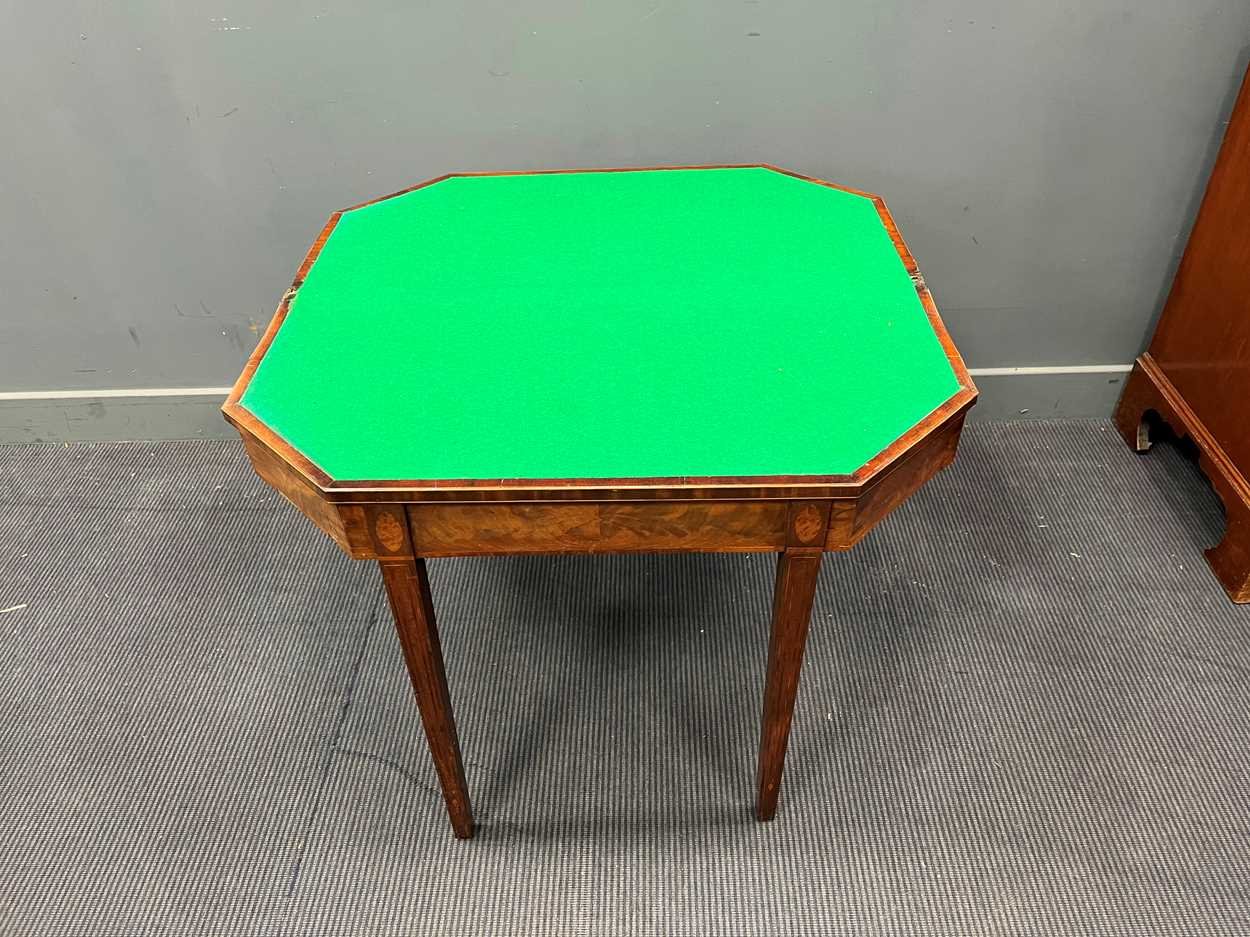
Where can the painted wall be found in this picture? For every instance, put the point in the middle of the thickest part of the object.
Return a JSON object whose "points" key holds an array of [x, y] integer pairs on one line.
{"points": [[167, 164]]}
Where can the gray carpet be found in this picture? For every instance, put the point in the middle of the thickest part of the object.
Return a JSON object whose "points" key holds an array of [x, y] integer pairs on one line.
{"points": [[1025, 710]]}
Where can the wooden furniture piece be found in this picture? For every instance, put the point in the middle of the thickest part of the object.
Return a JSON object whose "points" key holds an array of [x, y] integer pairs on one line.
{"points": [[678, 359], [1195, 376]]}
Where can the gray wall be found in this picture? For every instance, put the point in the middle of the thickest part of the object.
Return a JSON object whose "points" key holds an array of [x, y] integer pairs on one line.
{"points": [[167, 164]]}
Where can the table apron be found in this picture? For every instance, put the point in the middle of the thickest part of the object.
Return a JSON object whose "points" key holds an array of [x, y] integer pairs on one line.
{"points": [[604, 527]]}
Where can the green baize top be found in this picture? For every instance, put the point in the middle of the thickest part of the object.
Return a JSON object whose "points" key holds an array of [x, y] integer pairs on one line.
{"points": [[633, 324]]}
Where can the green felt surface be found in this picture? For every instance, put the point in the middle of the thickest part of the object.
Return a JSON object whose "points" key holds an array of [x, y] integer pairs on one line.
{"points": [[603, 325]]}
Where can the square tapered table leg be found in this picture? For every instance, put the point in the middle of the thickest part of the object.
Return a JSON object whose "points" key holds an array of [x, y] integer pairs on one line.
{"points": [[408, 587], [797, 572]]}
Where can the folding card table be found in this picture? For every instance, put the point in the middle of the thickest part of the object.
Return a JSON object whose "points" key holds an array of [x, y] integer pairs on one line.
{"points": [[713, 358]]}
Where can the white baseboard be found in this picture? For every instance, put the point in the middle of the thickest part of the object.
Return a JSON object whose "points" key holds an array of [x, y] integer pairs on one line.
{"points": [[115, 392], [1052, 369], [1007, 393]]}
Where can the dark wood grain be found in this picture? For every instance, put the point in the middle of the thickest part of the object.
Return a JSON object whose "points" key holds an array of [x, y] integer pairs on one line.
{"points": [[344, 523], [890, 489], [1202, 342], [408, 588], [610, 527], [1196, 372], [798, 569]]}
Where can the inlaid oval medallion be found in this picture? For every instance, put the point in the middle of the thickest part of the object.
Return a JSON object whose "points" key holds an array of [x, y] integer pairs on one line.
{"points": [[389, 532], [808, 523]]}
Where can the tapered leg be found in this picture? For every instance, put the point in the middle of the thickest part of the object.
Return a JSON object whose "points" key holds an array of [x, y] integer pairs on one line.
{"points": [[797, 571], [408, 587]]}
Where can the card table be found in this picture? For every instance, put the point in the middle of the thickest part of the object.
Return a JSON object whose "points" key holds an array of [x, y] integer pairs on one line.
{"points": [[696, 358]]}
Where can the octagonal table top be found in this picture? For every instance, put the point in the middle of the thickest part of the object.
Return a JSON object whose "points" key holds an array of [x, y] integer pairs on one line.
{"points": [[710, 322]]}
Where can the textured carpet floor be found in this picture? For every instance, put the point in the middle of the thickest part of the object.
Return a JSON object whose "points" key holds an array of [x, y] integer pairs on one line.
{"points": [[1025, 710]]}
